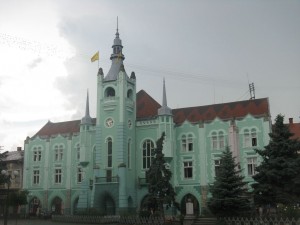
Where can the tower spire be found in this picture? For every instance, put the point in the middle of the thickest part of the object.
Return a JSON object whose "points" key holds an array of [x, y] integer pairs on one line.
{"points": [[116, 57], [117, 34], [87, 118], [164, 110]]}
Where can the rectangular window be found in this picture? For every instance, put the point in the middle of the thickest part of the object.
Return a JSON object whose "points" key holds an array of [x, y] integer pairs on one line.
{"points": [[252, 163], [217, 167], [254, 141], [79, 175], [36, 176], [57, 176], [188, 169]]}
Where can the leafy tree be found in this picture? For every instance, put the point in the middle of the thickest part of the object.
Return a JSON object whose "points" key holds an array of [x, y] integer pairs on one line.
{"points": [[278, 177], [229, 191], [158, 176]]}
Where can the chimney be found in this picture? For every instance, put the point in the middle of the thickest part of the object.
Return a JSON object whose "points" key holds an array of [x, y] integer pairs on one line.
{"points": [[291, 120], [19, 149]]}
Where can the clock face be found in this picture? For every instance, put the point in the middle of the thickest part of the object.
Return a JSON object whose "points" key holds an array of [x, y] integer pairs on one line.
{"points": [[109, 122]]}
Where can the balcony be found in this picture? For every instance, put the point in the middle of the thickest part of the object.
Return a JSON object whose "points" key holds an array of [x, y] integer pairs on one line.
{"points": [[105, 180]]}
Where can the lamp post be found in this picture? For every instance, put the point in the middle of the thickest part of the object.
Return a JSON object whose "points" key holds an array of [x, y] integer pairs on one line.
{"points": [[7, 179]]}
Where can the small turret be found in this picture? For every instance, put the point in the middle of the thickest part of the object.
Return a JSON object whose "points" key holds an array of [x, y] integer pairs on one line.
{"points": [[164, 110], [87, 118]]}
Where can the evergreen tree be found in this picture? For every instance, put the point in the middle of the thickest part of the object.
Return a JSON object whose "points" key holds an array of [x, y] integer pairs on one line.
{"points": [[278, 178], [158, 176], [229, 191]]}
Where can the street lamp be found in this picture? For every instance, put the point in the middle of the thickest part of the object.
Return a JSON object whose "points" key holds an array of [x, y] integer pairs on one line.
{"points": [[7, 179]]}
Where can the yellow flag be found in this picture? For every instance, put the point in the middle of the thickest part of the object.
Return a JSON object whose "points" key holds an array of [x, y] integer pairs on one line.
{"points": [[95, 57]]}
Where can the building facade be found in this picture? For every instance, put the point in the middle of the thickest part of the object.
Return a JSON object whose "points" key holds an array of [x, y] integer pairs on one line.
{"points": [[100, 163], [13, 164]]}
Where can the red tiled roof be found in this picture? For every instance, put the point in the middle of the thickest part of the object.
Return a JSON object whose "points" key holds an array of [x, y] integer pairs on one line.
{"points": [[146, 107], [59, 128], [255, 107]]}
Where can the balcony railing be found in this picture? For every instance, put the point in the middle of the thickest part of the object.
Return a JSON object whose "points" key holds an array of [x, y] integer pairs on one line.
{"points": [[101, 180]]}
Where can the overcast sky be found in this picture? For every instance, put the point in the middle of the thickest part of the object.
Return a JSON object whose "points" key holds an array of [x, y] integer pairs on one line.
{"points": [[207, 51]]}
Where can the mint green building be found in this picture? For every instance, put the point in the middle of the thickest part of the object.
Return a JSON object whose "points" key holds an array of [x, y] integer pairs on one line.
{"points": [[100, 163]]}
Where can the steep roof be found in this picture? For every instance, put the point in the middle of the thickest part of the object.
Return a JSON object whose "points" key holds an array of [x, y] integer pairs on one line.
{"points": [[147, 107], [255, 107], [59, 128]]}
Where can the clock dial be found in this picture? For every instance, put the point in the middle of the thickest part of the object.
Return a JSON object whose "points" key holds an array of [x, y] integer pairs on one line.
{"points": [[109, 122]]}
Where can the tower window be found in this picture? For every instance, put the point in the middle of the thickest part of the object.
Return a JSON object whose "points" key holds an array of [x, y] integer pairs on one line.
{"points": [[129, 94], [110, 92], [109, 152]]}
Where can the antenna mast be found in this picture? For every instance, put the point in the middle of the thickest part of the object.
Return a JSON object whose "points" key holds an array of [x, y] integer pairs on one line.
{"points": [[252, 91]]}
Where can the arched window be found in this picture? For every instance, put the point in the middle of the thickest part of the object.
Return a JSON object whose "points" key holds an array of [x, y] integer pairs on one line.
{"points": [[253, 137], [148, 152], [187, 143], [94, 157], [110, 92], [37, 153], [129, 94], [128, 153], [221, 140], [214, 140], [77, 152], [109, 152], [246, 138], [58, 152], [218, 140]]}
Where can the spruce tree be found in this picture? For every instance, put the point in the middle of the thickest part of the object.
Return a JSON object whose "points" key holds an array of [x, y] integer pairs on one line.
{"points": [[159, 175], [229, 191], [278, 178]]}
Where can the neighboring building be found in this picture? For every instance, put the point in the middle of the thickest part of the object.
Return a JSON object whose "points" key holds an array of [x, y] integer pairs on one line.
{"points": [[294, 128], [13, 161], [100, 163]]}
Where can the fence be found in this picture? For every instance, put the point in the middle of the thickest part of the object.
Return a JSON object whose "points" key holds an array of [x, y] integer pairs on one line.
{"points": [[86, 219], [141, 220], [261, 221]]}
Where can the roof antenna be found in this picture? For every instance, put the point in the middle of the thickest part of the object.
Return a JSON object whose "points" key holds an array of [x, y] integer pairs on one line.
{"points": [[251, 89]]}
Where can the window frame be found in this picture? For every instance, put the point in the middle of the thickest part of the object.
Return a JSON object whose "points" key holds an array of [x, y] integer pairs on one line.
{"points": [[188, 170], [57, 176], [148, 148]]}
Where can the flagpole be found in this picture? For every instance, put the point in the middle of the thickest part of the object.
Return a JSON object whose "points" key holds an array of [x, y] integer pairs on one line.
{"points": [[98, 60]]}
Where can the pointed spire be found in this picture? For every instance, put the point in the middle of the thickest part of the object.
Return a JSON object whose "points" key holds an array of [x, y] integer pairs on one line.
{"points": [[164, 110], [87, 118], [116, 57], [117, 34]]}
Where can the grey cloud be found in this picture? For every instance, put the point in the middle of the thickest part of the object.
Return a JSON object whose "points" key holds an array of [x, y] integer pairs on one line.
{"points": [[35, 63]]}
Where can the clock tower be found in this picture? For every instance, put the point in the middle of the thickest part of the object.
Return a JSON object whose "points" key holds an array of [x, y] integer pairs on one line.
{"points": [[115, 136]]}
